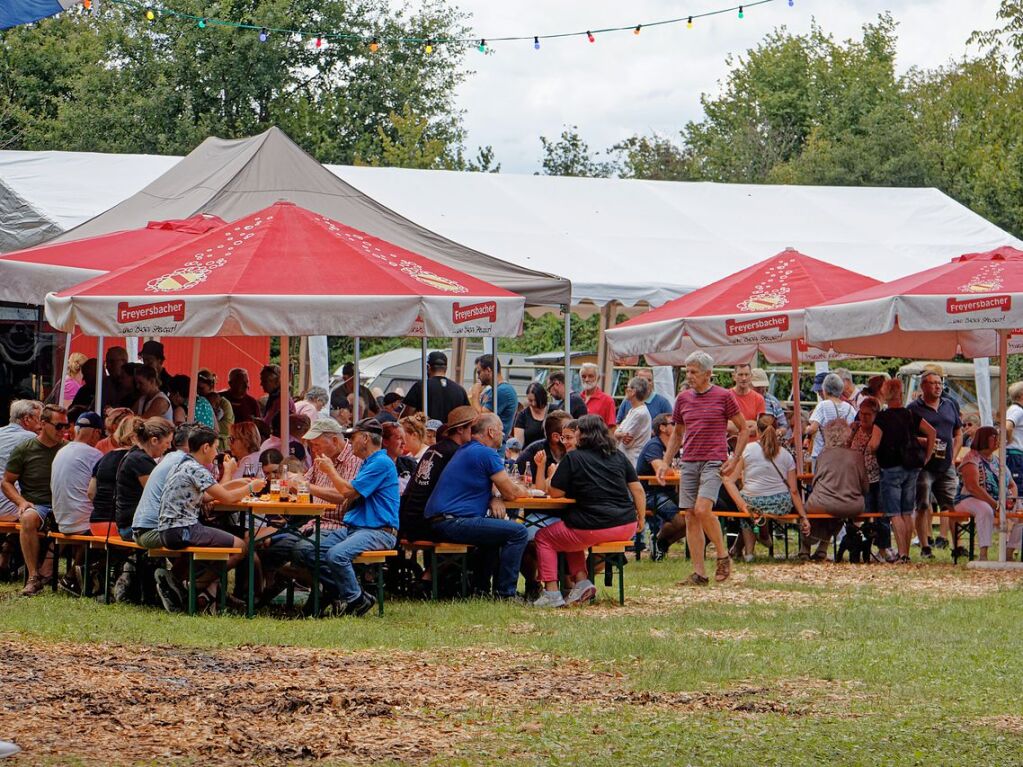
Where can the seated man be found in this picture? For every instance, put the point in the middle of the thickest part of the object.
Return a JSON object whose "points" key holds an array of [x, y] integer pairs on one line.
{"points": [[371, 523], [147, 514], [180, 505], [27, 485], [661, 500], [71, 473], [458, 507], [24, 423]]}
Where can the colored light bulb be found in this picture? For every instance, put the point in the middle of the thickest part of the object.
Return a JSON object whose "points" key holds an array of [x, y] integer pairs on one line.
{"points": [[202, 23], [263, 35], [637, 29], [373, 45], [149, 14], [590, 37], [482, 47], [741, 14], [536, 43], [689, 23], [429, 47]]}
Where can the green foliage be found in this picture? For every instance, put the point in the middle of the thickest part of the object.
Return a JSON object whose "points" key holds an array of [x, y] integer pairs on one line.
{"points": [[117, 82], [569, 155]]}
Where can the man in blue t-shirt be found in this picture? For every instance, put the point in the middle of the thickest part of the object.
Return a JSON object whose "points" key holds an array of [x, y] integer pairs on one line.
{"points": [[481, 397], [459, 504], [371, 523]]}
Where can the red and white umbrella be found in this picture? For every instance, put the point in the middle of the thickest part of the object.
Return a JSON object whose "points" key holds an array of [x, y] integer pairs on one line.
{"points": [[757, 309], [939, 313], [26, 276], [286, 271], [971, 306]]}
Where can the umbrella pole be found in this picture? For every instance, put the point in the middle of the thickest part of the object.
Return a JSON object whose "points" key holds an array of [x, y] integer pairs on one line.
{"points": [[425, 374], [285, 391], [193, 381], [100, 367], [566, 405], [1003, 484], [67, 363], [356, 389], [797, 413], [493, 388]]}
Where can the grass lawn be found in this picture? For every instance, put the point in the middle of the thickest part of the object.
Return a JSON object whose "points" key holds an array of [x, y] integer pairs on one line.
{"points": [[786, 665]]}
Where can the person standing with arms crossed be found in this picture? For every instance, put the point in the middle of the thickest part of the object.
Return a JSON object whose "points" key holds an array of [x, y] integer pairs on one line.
{"points": [[702, 414]]}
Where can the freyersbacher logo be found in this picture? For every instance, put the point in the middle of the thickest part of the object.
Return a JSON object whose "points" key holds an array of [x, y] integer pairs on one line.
{"points": [[470, 312], [955, 306], [778, 322], [128, 314]]}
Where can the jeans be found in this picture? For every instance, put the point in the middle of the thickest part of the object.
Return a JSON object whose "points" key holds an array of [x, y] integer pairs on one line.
{"points": [[337, 550], [898, 490], [484, 531]]}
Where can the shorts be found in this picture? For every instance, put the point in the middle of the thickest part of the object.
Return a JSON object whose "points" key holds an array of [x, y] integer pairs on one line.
{"points": [[775, 505], [1014, 463], [941, 484], [44, 512], [700, 479], [195, 535]]}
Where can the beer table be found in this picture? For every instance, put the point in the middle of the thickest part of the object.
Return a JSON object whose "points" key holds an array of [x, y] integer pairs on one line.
{"points": [[253, 506], [540, 504], [670, 477]]}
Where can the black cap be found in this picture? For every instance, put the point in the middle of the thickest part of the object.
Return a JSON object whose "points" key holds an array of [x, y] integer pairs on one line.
{"points": [[391, 397], [437, 360], [152, 349], [371, 425]]}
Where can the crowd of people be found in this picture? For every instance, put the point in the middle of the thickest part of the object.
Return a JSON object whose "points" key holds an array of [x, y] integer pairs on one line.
{"points": [[148, 472]]}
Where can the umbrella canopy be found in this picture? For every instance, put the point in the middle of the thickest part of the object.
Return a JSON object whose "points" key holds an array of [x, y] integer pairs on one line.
{"points": [[937, 313], [286, 271], [26, 276], [757, 309], [15, 12]]}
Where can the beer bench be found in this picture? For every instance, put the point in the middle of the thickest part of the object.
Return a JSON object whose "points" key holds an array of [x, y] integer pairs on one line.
{"points": [[963, 522], [89, 542], [792, 520], [436, 551], [201, 554], [612, 554], [376, 559]]}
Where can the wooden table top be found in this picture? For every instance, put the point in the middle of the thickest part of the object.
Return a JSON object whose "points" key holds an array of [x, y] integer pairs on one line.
{"points": [[539, 504], [280, 508], [669, 477]]}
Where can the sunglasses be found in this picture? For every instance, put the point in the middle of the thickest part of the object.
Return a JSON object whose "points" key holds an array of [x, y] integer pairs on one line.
{"points": [[59, 426]]}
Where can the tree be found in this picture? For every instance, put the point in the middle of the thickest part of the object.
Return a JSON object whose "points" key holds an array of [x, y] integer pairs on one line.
{"points": [[117, 82], [569, 155]]}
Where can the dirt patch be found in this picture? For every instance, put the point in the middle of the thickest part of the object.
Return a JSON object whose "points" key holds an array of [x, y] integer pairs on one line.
{"points": [[1013, 724], [113, 704], [941, 581]]}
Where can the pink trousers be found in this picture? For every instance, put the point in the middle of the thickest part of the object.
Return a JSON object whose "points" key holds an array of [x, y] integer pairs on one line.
{"points": [[573, 542]]}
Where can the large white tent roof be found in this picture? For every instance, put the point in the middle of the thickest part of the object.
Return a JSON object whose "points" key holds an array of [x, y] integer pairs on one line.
{"points": [[636, 242]]}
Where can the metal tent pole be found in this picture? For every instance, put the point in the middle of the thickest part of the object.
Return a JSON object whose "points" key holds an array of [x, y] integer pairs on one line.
{"points": [[356, 398], [67, 364], [1003, 484], [193, 384], [98, 404], [797, 413], [566, 405], [426, 377], [285, 392]]}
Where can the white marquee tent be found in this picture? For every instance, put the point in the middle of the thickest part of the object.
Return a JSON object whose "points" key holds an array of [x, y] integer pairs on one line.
{"points": [[632, 242]]}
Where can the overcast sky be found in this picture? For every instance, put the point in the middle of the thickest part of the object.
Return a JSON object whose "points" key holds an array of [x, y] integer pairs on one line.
{"points": [[625, 84]]}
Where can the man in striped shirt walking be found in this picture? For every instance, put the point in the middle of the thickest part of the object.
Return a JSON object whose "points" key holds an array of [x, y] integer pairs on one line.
{"points": [[702, 414]]}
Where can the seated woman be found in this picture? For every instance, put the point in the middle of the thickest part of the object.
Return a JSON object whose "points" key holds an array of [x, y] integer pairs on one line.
{"points": [[152, 440], [839, 486], [298, 425], [610, 505], [414, 428], [978, 494], [769, 487], [862, 431], [245, 450], [113, 419], [103, 486]]}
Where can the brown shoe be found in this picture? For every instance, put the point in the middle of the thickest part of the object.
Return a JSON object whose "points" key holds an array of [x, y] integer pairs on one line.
{"points": [[694, 580], [34, 586], [724, 569]]}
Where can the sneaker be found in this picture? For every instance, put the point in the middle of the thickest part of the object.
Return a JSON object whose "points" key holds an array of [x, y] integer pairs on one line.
{"points": [[361, 605], [723, 570], [747, 558], [8, 749], [658, 551], [926, 552], [550, 599], [34, 586], [169, 590], [940, 543], [582, 592]]}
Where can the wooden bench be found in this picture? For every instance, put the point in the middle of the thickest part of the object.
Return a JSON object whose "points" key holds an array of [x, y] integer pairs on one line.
{"points": [[376, 560], [963, 522], [792, 520], [201, 554], [612, 554], [436, 550], [89, 542]]}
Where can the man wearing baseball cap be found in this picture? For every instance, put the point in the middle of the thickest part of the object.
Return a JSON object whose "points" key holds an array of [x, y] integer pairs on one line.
{"points": [[71, 473], [153, 356], [442, 394], [371, 523]]}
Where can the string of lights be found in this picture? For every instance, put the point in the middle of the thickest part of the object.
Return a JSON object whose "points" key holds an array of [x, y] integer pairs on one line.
{"points": [[154, 12]]}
